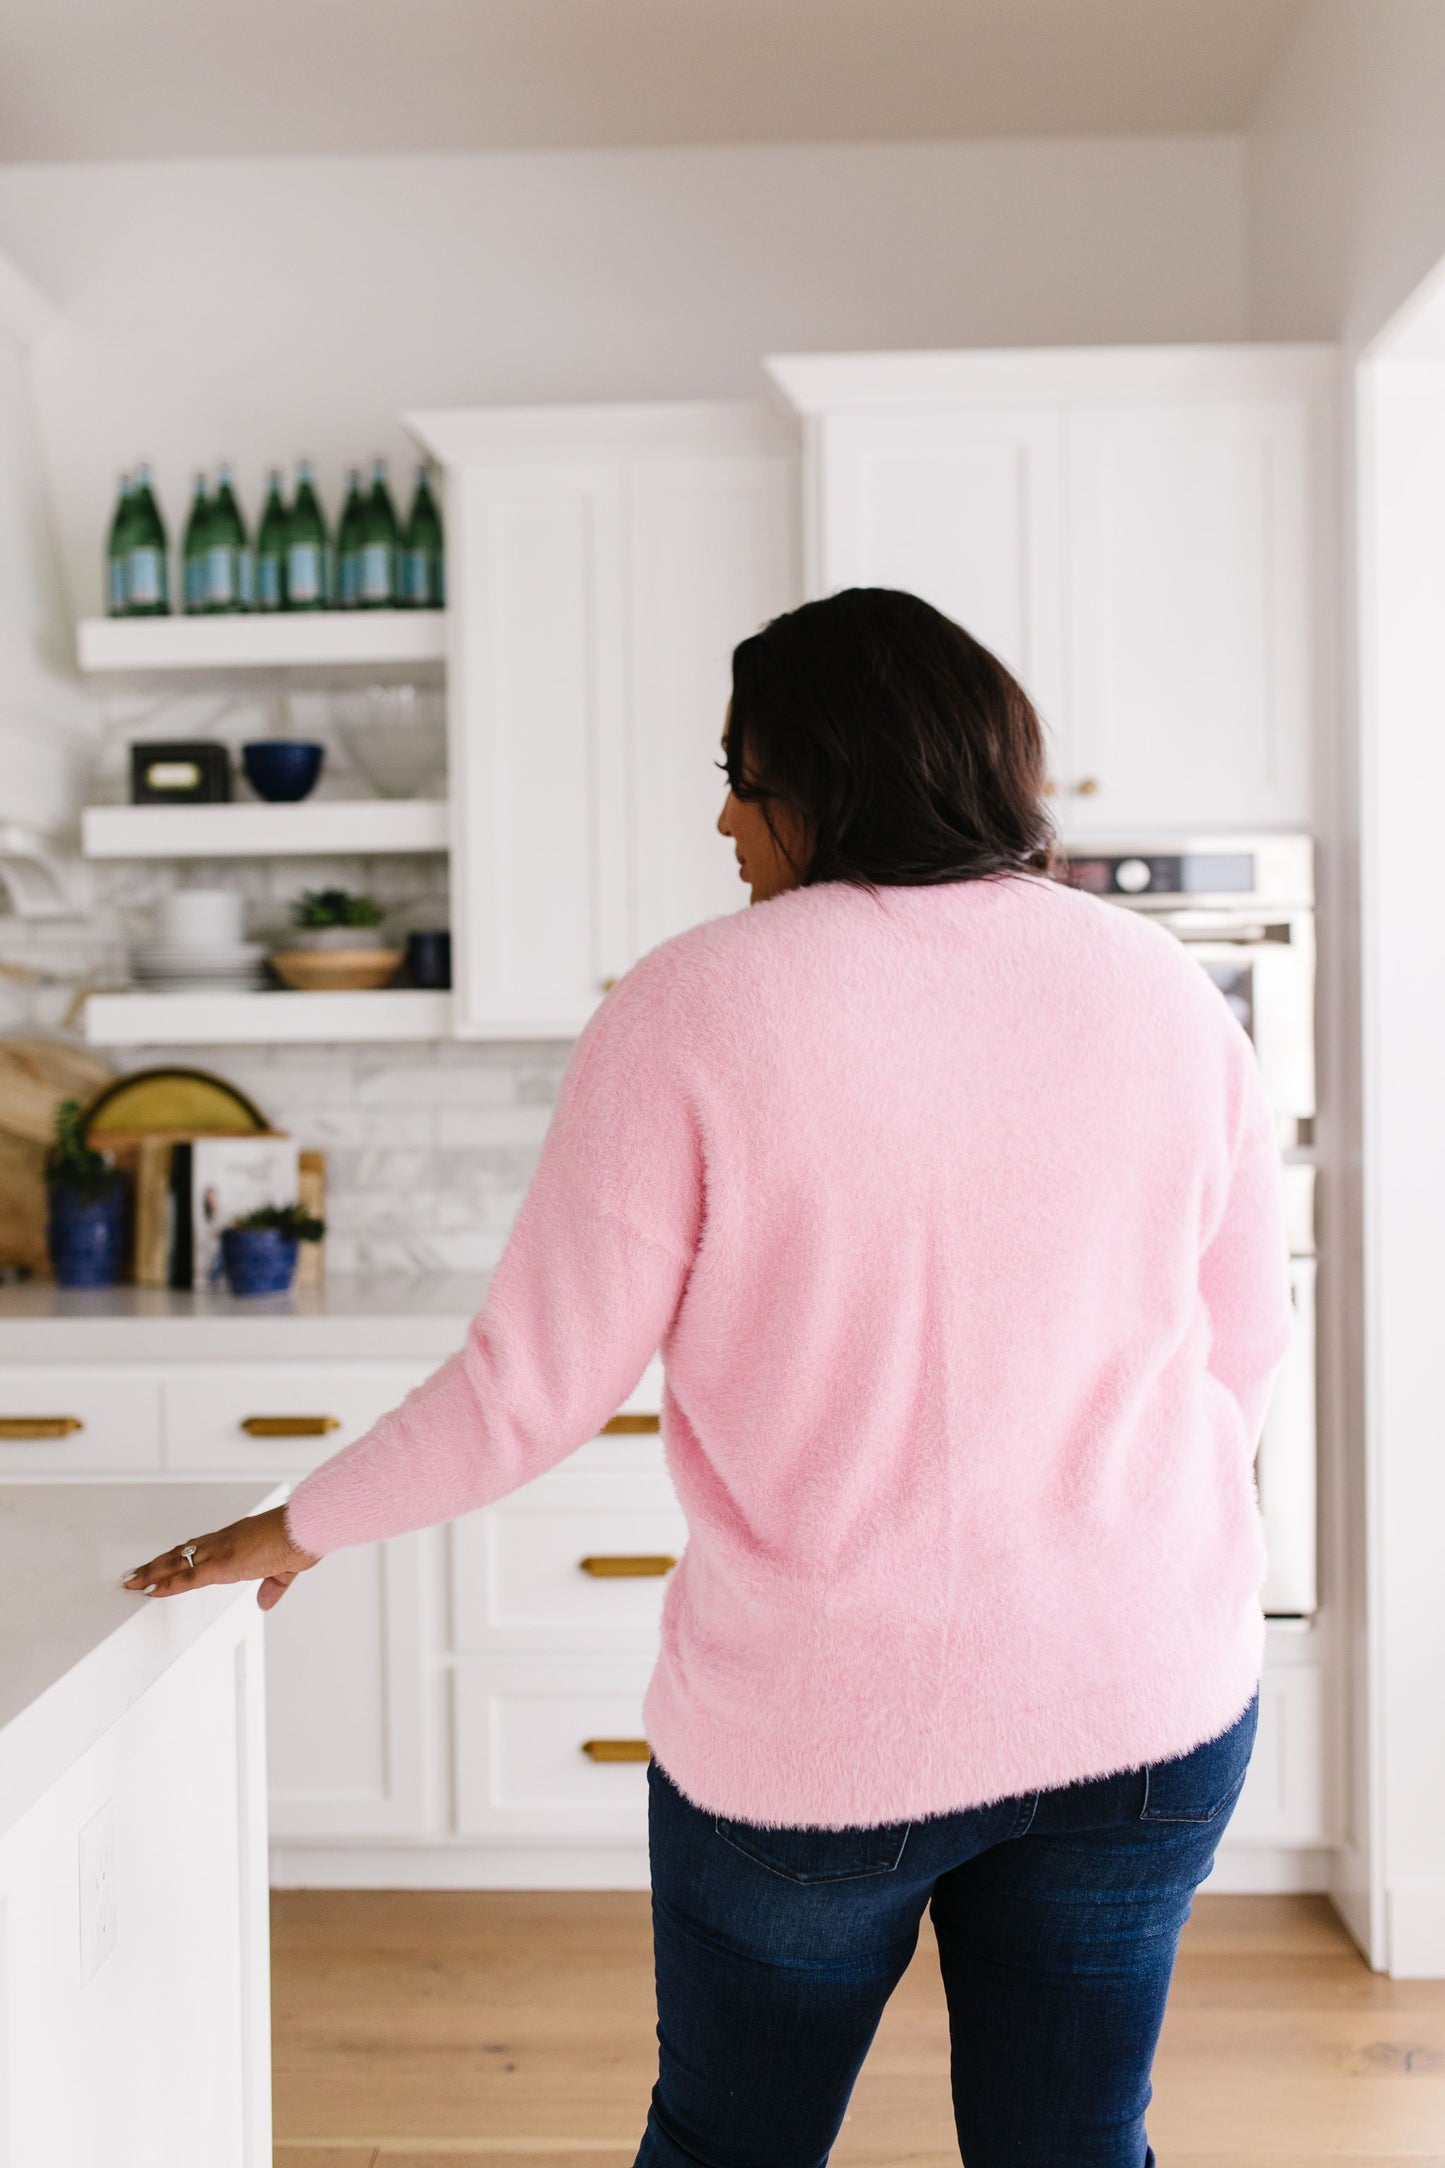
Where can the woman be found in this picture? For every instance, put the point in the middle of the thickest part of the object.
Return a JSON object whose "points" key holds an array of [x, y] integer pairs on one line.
{"points": [[952, 1198]]}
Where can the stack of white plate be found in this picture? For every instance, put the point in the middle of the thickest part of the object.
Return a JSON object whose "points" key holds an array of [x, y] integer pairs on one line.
{"points": [[197, 947], [162, 968]]}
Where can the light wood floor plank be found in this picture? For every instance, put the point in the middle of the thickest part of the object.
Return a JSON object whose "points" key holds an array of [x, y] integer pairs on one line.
{"points": [[515, 2030]]}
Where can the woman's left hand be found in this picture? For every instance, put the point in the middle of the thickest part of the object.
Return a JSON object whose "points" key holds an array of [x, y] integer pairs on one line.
{"points": [[256, 1549]]}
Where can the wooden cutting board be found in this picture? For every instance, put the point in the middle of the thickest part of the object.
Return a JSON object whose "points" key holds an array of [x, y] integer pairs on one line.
{"points": [[35, 1075]]}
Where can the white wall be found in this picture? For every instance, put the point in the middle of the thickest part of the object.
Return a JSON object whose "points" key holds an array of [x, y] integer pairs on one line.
{"points": [[263, 307], [1346, 160], [43, 715]]}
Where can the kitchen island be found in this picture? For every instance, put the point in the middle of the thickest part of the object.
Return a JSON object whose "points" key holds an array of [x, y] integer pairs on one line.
{"points": [[133, 1941]]}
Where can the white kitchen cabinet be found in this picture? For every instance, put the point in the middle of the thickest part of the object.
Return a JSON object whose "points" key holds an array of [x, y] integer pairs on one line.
{"points": [[963, 508], [1143, 535], [346, 1710], [432, 1700], [713, 555], [1189, 601], [603, 564], [538, 740]]}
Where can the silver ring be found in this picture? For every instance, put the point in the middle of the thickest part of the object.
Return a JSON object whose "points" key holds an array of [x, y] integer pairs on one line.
{"points": [[188, 1553]]}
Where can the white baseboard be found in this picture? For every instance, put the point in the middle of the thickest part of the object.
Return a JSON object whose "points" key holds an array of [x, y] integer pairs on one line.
{"points": [[1415, 1929], [1270, 1870], [447, 1866], [1255, 1870]]}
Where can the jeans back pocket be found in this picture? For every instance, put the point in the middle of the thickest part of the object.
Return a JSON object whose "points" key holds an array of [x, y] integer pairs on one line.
{"points": [[1203, 1784], [818, 1855]]}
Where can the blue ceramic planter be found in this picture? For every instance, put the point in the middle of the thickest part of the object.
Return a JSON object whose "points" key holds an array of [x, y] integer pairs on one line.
{"points": [[258, 1260], [86, 1235]]}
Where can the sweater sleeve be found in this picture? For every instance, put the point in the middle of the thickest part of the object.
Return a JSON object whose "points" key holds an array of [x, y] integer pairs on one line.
{"points": [[581, 1298], [1244, 1271]]}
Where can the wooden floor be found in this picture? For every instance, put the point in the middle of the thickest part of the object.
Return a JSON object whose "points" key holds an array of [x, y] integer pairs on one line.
{"points": [[502, 2030]]}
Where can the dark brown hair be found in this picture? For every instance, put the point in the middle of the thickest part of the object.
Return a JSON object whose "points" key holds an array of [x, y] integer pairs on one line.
{"points": [[908, 751]]}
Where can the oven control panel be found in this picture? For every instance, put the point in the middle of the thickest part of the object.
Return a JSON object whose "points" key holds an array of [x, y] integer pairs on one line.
{"points": [[1193, 873]]}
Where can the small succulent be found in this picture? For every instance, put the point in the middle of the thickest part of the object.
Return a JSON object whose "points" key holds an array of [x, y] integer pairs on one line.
{"points": [[291, 1220], [317, 907], [74, 1163]]}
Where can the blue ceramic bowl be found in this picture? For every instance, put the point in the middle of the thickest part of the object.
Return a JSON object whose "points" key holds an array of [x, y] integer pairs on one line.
{"points": [[258, 1260], [282, 769]]}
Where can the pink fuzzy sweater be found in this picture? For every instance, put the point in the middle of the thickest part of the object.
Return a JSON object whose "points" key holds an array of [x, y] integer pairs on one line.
{"points": [[956, 1214]]}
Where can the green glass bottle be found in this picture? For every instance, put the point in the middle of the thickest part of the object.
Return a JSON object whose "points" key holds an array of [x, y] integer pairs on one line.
{"points": [[422, 583], [228, 552], [193, 550], [117, 542], [147, 573], [271, 547], [348, 544], [379, 538], [308, 568]]}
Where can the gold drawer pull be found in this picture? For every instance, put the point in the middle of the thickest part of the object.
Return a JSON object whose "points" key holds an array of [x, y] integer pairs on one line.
{"points": [[617, 1750], [289, 1426], [628, 1569], [632, 1426], [39, 1426]]}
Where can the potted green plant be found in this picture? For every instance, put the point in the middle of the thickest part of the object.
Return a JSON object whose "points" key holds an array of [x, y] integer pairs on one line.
{"points": [[258, 1250], [85, 1199], [332, 918]]}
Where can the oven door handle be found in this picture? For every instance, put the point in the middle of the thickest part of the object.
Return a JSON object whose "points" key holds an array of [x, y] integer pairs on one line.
{"points": [[1251, 935]]}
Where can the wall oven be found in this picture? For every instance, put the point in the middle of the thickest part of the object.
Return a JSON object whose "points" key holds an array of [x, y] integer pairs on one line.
{"points": [[1244, 908]]}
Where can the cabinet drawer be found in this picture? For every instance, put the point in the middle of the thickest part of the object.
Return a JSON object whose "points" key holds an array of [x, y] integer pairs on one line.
{"points": [[84, 1419], [522, 1730], [276, 1418], [575, 1560]]}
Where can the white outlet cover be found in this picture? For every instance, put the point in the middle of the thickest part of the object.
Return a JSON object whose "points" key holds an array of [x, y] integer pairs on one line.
{"points": [[98, 1925]]}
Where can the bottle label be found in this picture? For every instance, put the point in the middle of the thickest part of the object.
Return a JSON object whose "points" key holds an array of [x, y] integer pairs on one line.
{"points": [[304, 570], [375, 572], [221, 583], [193, 583], [115, 586], [414, 567], [268, 583], [349, 579], [143, 578], [246, 579]]}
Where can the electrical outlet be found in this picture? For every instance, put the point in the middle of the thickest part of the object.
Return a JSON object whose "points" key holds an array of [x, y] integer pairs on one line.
{"points": [[97, 1891]]}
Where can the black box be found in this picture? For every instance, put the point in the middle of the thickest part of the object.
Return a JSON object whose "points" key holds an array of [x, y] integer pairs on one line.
{"points": [[190, 772]]}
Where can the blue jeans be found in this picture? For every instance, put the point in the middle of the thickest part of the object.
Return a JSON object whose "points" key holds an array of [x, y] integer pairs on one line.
{"points": [[1057, 1915]]}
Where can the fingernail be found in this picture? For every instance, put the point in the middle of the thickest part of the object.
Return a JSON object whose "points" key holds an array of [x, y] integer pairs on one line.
{"points": [[149, 1591]]}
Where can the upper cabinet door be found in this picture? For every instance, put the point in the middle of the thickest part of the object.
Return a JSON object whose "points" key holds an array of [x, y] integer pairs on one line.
{"points": [[960, 507], [537, 731], [1190, 614], [713, 555]]}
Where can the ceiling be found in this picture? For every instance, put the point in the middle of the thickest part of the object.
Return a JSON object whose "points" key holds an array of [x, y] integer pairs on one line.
{"points": [[172, 78]]}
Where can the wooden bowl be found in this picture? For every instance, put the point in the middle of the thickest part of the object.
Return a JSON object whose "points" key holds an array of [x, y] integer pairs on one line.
{"points": [[337, 971]]}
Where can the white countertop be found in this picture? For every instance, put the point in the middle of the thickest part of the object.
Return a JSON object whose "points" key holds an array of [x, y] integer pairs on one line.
{"points": [[384, 1319], [77, 1649]]}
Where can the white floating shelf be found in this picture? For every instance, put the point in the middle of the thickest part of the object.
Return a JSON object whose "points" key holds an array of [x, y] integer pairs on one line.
{"points": [[304, 640], [269, 1019], [316, 828]]}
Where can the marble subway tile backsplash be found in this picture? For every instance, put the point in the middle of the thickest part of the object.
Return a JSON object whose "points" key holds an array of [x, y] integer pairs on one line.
{"points": [[428, 1149]]}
